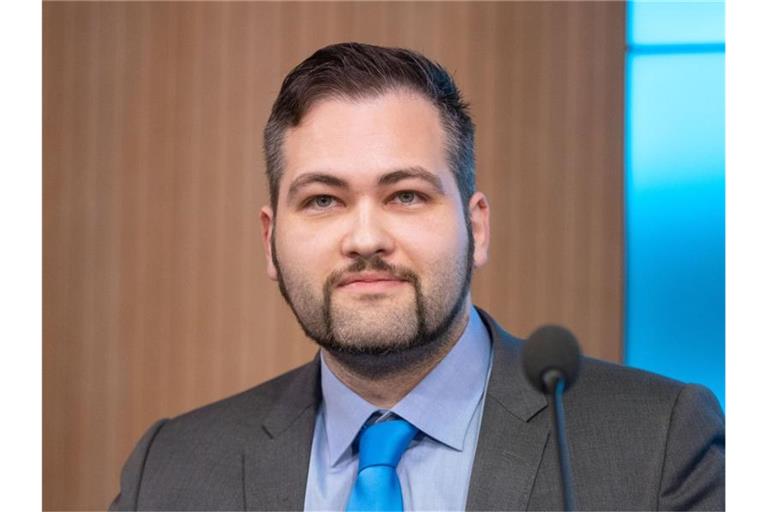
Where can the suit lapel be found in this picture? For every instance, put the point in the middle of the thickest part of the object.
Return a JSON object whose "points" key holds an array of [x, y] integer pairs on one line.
{"points": [[511, 443], [275, 470]]}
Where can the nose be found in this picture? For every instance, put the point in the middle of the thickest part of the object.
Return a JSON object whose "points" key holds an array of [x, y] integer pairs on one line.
{"points": [[367, 234]]}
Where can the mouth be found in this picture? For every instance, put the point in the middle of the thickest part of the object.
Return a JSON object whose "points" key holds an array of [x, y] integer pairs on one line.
{"points": [[370, 283]]}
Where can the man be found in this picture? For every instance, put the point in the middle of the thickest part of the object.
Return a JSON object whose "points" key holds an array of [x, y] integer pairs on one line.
{"points": [[416, 400]]}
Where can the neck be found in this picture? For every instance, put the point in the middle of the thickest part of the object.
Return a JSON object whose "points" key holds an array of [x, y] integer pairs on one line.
{"points": [[386, 390]]}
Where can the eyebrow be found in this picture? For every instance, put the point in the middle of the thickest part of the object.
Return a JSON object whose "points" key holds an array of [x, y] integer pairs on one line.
{"points": [[412, 172], [315, 177]]}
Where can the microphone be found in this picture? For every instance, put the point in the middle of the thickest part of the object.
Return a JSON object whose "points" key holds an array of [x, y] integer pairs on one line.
{"points": [[551, 358], [551, 352]]}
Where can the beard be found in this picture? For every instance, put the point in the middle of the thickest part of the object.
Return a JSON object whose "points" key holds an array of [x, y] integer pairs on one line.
{"points": [[377, 336]]}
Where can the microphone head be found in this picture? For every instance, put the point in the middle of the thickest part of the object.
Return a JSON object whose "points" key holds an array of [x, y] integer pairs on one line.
{"points": [[551, 347]]}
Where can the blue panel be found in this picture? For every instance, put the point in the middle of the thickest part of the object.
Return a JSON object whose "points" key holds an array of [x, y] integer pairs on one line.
{"points": [[675, 200], [669, 22]]}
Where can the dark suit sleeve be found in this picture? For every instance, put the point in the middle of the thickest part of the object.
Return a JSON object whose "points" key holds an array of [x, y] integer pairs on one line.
{"points": [[130, 480], [693, 477]]}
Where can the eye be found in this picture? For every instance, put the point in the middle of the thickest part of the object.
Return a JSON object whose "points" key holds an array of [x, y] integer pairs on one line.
{"points": [[407, 197], [321, 202]]}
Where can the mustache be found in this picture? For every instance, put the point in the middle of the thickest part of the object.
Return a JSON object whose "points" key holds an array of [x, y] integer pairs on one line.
{"points": [[372, 263]]}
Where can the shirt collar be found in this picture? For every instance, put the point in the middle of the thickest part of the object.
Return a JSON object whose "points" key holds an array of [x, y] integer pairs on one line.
{"points": [[441, 405], [345, 412]]}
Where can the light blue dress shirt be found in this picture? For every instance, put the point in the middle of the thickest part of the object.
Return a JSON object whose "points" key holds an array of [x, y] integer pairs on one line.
{"points": [[446, 406]]}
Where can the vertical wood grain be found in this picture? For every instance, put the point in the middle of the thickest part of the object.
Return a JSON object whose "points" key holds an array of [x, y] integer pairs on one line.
{"points": [[155, 299]]}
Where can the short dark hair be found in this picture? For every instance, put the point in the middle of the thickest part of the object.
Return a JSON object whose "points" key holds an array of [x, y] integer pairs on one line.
{"points": [[356, 70]]}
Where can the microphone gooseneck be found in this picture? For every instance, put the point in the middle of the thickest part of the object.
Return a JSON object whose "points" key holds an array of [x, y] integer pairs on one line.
{"points": [[551, 358]]}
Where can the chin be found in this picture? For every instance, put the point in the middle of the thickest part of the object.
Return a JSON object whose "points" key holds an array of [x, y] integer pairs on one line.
{"points": [[375, 333], [387, 359]]}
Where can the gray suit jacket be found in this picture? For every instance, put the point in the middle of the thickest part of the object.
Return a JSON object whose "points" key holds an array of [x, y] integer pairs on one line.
{"points": [[638, 442]]}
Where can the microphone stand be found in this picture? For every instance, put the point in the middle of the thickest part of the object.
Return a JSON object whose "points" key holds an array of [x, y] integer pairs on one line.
{"points": [[555, 385]]}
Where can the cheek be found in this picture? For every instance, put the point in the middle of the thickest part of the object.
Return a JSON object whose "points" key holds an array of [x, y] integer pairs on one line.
{"points": [[435, 245], [304, 251]]}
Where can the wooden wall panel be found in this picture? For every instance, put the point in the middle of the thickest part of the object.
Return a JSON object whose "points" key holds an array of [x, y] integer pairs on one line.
{"points": [[155, 299]]}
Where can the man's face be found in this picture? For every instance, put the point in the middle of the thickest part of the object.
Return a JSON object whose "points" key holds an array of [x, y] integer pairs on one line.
{"points": [[370, 243]]}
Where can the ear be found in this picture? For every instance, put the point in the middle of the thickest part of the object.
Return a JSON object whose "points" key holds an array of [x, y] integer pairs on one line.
{"points": [[267, 232], [480, 219]]}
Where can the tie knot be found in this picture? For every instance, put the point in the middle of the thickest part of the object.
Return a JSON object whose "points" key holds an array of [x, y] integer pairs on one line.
{"points": [[384, 443]]}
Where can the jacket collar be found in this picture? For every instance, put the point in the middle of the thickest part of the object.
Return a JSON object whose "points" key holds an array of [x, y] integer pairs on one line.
{"points": [[511, 443], [275, 470], [508, 384]]}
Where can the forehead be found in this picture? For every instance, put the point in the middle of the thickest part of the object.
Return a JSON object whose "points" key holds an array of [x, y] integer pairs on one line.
{"points": [[359, 138]]}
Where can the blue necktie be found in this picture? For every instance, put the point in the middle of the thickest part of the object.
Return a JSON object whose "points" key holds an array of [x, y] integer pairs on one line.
{"points": [[381, 446]]}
